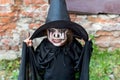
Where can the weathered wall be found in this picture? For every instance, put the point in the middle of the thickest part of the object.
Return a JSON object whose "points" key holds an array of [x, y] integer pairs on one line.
{"points": [[17, 17]]}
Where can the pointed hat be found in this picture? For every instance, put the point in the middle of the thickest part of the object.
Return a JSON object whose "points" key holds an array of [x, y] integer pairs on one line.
{"points": [[57, 11], [58, 17]]}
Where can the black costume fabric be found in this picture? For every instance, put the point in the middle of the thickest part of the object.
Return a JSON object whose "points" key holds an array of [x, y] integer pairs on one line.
{"points": [[49, 62]]}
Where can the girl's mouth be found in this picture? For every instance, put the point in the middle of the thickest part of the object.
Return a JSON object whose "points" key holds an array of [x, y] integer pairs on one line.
{"points": [[56, 40]]}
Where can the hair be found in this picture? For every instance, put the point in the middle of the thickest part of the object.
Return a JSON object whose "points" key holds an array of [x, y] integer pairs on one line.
{"points": [[69, 36]]}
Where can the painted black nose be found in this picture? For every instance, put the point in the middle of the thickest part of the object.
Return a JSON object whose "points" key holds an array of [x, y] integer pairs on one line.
{"points": [[56, 35]]}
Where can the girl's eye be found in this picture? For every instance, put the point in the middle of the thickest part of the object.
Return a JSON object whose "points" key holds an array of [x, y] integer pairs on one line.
{"points": [[51, 30], [63, 30]]}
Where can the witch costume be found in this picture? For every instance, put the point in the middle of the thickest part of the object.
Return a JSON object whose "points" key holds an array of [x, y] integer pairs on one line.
{"points": [[50, 62]]}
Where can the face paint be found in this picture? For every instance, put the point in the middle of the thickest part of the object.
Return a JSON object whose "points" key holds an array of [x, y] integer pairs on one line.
{"points": [[57, 37]]}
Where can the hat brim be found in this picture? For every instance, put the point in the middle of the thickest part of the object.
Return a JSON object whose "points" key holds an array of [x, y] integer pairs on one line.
{"points": [[78, 30]]}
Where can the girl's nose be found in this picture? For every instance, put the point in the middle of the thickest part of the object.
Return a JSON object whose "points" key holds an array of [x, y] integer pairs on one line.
{"points": [[56, 35]]}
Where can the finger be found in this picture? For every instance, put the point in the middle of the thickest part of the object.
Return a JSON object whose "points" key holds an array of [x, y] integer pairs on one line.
{"points": [[26, 40], [89, 39], [30, 43]]}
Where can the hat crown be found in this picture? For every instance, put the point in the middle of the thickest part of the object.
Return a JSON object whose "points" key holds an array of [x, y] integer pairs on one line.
{"points": [[57, 11]]}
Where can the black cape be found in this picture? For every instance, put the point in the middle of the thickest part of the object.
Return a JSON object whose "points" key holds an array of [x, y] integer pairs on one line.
{"points": [[49, 62]]}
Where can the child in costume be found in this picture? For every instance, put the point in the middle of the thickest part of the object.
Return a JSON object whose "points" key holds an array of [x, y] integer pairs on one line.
{"points": [[59, 56]]}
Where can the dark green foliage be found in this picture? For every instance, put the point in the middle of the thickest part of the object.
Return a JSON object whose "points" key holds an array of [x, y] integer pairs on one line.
{"points": [[9, 69], [104, 64]]}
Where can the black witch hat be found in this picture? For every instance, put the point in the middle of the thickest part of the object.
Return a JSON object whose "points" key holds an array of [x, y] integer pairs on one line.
{"points": [[58, 17]]}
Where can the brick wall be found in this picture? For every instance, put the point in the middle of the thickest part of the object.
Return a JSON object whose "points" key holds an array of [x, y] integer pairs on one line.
{"points": [[105, 28], [18, 17]]}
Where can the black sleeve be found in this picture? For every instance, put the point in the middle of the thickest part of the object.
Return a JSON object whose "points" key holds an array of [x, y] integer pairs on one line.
{"points": [[39, 56], [82, 57], [28, 69], [77, 54], [85, 60]]}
